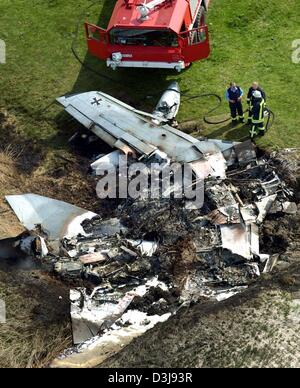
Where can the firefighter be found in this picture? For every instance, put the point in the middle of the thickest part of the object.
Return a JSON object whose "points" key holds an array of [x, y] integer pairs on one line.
{"points": [[234, 95], [258, 114], [255, 86]]}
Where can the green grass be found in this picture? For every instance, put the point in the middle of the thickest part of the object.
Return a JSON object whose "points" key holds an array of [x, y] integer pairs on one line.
{"points": [[251, 40]]}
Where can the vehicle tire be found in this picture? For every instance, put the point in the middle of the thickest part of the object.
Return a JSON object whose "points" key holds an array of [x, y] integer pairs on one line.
{"points": [[200, 21]]}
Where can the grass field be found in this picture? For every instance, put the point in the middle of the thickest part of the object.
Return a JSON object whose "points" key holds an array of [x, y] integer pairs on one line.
{"points": [[251, 40]]}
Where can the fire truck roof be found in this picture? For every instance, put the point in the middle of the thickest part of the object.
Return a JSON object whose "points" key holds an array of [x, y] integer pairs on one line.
{"points": [[170, 14]]}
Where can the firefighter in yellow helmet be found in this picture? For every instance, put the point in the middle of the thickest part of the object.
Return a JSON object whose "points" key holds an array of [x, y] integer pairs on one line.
{"points": [[254, 87], [258, 115]]}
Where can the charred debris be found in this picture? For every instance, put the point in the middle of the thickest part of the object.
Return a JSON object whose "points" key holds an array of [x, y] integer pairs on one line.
{"points": [[131, 271]]}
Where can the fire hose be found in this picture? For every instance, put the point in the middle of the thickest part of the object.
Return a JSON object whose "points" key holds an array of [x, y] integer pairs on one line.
{"points": [[268, 113]]}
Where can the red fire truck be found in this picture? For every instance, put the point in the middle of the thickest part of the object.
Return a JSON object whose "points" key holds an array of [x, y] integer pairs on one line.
{"points": [[165, 34]]}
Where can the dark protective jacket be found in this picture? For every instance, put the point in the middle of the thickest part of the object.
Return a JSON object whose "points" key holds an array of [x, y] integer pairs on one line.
{"points": [[250, 94], [258, 110], [234, 94]]}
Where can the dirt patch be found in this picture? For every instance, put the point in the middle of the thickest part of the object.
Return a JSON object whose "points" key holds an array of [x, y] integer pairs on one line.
{"points": [[37, 327], [287, 163], [183, 258], [27, 166], [28, 151], [64, 177], [9, 183], [280, 234]]}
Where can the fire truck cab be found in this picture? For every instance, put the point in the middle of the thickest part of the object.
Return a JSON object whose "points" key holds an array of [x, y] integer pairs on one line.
{"points": [[165, 34]]}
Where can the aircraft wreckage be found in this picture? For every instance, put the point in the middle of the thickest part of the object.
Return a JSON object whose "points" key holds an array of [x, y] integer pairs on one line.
{"points": [[154, 255], [132, 131]]}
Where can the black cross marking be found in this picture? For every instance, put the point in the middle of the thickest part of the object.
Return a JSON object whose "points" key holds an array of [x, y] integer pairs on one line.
{"points": [[95, 101]]}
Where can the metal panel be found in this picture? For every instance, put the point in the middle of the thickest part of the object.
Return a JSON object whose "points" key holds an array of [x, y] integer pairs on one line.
{"points": [[236, 238], [141, 147], [58, 219], [114, 121]]}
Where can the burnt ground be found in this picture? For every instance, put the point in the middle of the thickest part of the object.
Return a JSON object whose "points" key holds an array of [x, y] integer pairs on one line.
{"points": [[258, 328], [248, 330]]}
